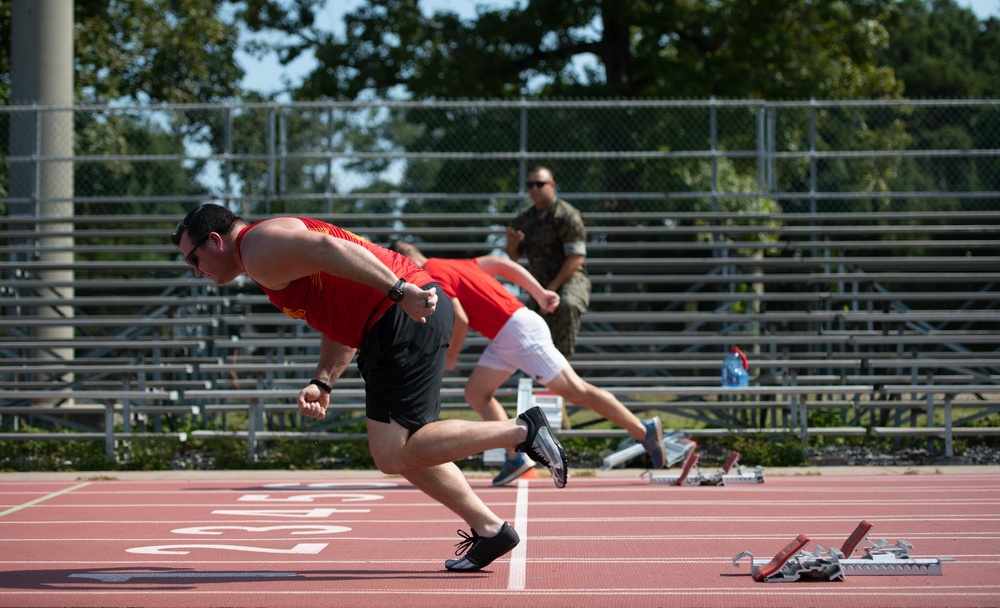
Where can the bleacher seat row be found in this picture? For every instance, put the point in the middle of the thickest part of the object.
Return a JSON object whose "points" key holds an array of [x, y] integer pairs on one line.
{"points": [[833, 308]]}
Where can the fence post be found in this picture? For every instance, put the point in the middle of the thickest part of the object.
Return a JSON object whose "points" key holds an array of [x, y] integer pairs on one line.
{"points": [[522, 164], [109, 430], [948, 447], [256, 411]]}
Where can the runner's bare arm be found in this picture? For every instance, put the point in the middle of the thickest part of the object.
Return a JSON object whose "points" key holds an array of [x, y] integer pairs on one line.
{"points": [[519, 275], [459, 331], [281, 250], [333, 360]]}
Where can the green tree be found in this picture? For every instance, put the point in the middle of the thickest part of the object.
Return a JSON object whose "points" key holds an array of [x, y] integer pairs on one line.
{"points": [[159, 51], [120, 133], [5, 17], [141, 51], [941, 50], [641, 48]]}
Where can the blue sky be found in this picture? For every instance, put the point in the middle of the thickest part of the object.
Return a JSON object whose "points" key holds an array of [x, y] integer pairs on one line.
{"points": [[268, 75], [982, 8]]}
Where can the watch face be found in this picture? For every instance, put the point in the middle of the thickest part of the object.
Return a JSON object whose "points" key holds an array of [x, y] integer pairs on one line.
{"points": [[396, 291]]}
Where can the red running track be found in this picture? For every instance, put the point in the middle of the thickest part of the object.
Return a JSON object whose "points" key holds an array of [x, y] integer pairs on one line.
{"points": [[336, 539]]}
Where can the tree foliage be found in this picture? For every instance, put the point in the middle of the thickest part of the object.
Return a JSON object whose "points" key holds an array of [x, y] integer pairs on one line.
{"points": [[184, 51], [169, 51], [640, 48], [142, 51], [587, 49], [940, 50], [765, 49]]}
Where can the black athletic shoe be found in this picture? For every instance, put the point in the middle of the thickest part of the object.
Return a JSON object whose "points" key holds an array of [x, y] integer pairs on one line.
{"points": [[542, 446], [482, 551]]}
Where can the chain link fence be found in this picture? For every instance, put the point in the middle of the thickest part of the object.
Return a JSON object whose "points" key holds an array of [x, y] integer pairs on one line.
{"points": [[473, 157], [90, 193]]}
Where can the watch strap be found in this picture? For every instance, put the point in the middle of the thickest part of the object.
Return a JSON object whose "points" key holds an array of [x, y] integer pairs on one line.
{"points": [[323, 386]]}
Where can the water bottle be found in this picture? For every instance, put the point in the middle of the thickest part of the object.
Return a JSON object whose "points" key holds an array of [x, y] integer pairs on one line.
{"points": [[735, 369]]}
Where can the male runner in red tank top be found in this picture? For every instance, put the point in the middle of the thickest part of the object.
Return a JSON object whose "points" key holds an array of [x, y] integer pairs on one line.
{"points": [[519, 340], [363, 298]]}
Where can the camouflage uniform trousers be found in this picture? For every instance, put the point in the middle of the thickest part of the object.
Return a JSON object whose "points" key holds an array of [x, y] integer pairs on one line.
{"points": [[564, 322]]}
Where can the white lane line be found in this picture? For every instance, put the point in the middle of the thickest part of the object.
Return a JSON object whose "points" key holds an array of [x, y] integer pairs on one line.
{"points": [[519, 556], [764, 594], [44, 498]]}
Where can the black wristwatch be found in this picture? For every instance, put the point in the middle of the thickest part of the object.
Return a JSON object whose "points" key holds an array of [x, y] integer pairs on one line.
{"points": [[396, 291]]}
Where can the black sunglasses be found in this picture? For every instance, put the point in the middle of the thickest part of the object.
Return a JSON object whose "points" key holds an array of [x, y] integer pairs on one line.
{"points": [[531, 185], [191, 258]]}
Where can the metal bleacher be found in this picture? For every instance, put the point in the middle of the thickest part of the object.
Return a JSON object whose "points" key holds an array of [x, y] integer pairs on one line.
{"points": [[889, 320]]}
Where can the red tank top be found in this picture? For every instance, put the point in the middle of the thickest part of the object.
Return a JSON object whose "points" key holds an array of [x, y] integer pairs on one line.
{"points": [[485, 300], [341, 310]]}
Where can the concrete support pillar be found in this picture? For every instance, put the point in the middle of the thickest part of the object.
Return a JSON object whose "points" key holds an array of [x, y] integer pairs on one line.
{"points": [[42, 75]]}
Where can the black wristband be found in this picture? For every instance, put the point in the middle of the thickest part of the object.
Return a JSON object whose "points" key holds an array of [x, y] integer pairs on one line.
{"points": [[322, 385]]}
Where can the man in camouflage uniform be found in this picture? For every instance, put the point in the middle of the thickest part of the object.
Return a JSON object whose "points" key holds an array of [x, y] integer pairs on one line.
{"points": [[551, 234]]}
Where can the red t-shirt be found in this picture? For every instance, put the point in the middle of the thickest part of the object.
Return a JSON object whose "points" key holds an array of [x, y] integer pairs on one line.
{"points": [[485, 300], [341, 310]]}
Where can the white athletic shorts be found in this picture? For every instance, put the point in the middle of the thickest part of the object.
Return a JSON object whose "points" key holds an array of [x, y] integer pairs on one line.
{"points": [[525, 343]]}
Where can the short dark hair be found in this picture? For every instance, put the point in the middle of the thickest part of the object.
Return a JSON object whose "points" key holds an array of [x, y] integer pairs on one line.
{"points": [[203, 220], [403, 248]]}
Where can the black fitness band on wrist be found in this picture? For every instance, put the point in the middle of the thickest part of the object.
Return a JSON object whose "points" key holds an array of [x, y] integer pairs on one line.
{"points": [[322, 385]]}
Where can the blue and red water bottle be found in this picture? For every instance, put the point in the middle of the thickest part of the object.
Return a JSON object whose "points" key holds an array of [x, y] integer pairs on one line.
{"points": [[736, 369]]}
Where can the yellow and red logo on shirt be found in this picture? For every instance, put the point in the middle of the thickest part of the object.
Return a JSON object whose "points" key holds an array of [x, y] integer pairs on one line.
{"points": [[299, 314], [326, 230]]}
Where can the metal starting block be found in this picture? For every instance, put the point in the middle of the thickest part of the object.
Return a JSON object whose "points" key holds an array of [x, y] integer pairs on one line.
{"points": [[793, 563], [678, 448], [723, 476]]}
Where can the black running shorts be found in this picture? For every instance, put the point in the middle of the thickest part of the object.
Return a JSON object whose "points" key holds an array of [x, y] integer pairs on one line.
{"points": [[402, 363]]}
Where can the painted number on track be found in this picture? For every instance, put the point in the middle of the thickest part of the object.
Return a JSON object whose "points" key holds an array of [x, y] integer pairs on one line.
{"points": [[219, 530], [299, 549], [295, 513], [311, 497]]}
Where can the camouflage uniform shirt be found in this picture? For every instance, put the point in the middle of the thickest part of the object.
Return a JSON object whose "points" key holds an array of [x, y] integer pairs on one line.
{"points": [[550, 236]]}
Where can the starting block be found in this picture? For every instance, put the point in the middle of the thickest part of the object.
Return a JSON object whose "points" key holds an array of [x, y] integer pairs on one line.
{"points": [[723, 476], [678, 448], [793, 563], [552, 407]]}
